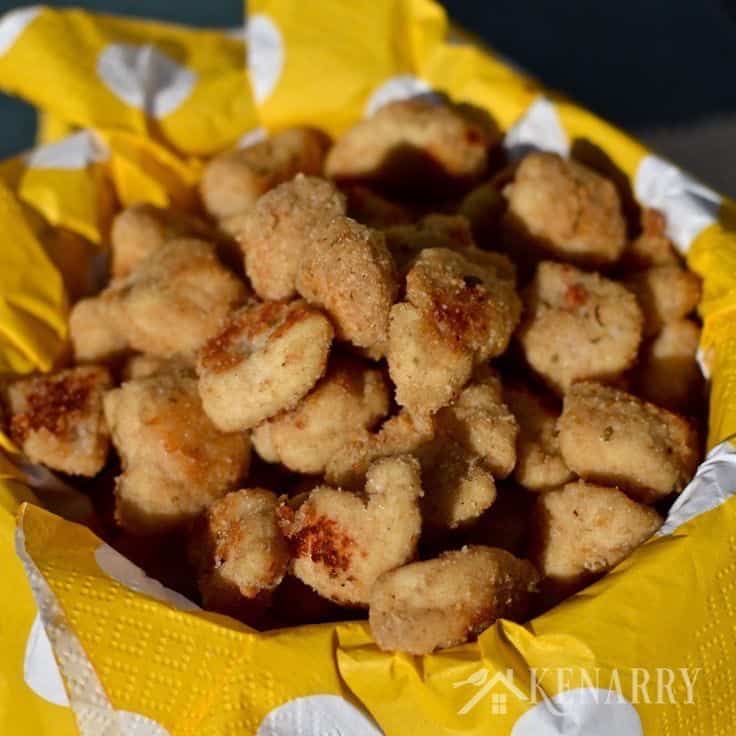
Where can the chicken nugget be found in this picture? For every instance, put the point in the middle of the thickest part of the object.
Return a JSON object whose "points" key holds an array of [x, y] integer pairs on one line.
{"points": [[668, 373], [578, 326], [238, 552], [414, 146], [274, 233], [460, 311], [665, 293], [175, 461], [169, 305], [563, 209], [351, 397], [449, 600], [93, 328], [610, 437], [341, 541], [56, 419], [482, 423], [265, 359], [652, 247], [233, 181], [142, 228], [582, 530], [371, 209], [539, 464], [348, 271]]}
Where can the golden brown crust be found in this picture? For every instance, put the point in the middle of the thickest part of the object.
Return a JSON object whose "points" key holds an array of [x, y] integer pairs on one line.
{"points": [[449, 600], [276, 231], [238, 551], [583, 530], [233, 181], [351, 398], [428, 148], [578, 326], [175, 461], [57, 419], [265, 359], [348, 271], [565, 210], [608, 436], [341, 542]]}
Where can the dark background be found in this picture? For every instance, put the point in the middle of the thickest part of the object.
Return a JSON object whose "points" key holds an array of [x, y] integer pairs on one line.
{"points": [[663, 69]]}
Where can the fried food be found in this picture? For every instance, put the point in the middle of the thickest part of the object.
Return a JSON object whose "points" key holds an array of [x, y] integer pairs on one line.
{"points": [[341, 541], [610, 437], [144, 365], [413, 145], [266, 357], [483, 207], [371, 209], [352, 397], [140, 229], [449, 600], [175, 461], [665, 293], [171, 303], [238, 551], [578, 326], [668, 374], [233, 181], [539, 464], [563, 209], [348, 271], [276, 231], [460, 450], [583, 530], [460, 310], [652, 247], [56, 419]]}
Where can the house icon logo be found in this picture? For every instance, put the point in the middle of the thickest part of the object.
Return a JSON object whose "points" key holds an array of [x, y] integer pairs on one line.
{"points": [[499, 687]]}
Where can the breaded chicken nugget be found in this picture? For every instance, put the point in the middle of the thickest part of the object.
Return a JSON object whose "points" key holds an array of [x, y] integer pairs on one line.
{"points": [[93, 328], [413, 145], [238, 551], [352, 397], [439, 603], [578, 326], [172, 302], [234, 180], [175, 461], [539, 464], [583, 530], [56, 419], [665, 293], [341, 542], [461, 309], [608, 436], [371, 209], [266, 357], [142, 228], [481, 422], [565, 210], [652, 247], [668, 374], [274, 233], [348, 271]]}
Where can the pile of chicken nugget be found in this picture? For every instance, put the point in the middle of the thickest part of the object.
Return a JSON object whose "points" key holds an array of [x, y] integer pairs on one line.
{"points": [[396, 373]]}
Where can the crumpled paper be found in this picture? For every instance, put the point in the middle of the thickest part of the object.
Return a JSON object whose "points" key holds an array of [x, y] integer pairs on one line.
{"points": [[130, 108]]}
